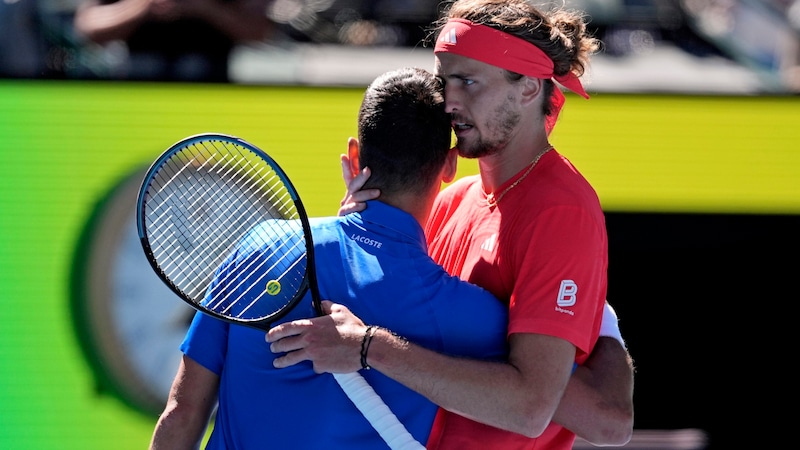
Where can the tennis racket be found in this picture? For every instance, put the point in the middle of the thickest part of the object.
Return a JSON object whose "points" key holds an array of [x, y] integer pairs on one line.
{"points": [[211, 202]]}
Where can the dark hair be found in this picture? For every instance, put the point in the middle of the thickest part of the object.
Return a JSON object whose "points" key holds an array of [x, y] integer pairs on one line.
{"points": [[560, 33], [404, 131]]}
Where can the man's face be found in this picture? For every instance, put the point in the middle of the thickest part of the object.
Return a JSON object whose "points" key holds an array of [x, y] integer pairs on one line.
{"points": [[483, 104]]}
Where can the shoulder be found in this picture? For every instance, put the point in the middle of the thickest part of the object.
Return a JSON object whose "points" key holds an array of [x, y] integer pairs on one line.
{"points": [[457, 190], [325, 229], [568, 177], [462, 184], [560, 183]]}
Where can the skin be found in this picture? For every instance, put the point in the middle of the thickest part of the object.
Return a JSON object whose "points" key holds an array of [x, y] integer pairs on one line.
{"points": [[243, 20], [487, 119], [189, 406], [535, 386]]}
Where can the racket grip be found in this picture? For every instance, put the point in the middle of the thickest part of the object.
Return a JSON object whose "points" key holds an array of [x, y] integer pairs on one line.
{"points": [[376, 412]]}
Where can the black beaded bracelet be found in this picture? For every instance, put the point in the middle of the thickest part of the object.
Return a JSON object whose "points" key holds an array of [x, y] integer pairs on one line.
{"points": [[365, 345]]}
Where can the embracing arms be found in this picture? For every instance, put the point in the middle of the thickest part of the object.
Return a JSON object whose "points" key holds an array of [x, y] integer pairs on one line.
{"points": [[523, 395]]}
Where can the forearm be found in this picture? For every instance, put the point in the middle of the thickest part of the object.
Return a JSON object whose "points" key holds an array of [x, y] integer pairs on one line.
{"points": [[494, 393], [598, 402], [242, 21], [177, 430], [192, 398], [104, 23]]}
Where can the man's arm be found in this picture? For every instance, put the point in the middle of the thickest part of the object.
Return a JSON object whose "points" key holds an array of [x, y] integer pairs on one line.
{"points": [[598, 402], [520, 396], [242, 20], [102, 23], [191, 400]]}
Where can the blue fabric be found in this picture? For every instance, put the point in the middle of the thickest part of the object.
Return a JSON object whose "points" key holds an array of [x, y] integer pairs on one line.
{"points": [[252, 284], [376, 263]]}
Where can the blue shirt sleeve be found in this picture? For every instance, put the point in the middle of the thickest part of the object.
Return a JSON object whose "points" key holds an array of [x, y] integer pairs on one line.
{"points": [[206, 342]]}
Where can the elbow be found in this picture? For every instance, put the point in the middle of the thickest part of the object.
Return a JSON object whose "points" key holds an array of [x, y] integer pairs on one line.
{"points": [[623, 433], [616, 432], [82, 25], [621, 430], [615, 438], [531, 433], [534, 420], [88, 33], [533, 430], [521, 417]]}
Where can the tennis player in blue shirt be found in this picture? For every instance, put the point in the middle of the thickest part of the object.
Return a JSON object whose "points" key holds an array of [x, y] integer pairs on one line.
{"points": [[376, 263]]}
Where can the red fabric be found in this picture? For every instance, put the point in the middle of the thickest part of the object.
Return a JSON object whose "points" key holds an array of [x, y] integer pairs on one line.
{"points": [[546, 231], [557, 101]]}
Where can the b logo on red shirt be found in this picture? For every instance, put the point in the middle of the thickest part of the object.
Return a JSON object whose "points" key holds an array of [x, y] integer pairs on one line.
{"points": [[567, 293]]}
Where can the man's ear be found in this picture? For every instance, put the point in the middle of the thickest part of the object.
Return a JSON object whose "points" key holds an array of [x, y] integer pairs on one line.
{"points": [[531, 89], [352, 154], [450, 166]]}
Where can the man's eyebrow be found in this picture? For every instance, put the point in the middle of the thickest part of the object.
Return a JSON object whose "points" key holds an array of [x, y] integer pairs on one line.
{"points": [[459, 76]]}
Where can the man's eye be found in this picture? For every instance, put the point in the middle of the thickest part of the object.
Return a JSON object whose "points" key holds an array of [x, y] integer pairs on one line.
{"points": [[467, 81]]}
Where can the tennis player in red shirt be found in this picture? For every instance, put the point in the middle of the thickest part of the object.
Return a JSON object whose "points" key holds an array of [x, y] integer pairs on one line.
{"points": [[529, 228]]}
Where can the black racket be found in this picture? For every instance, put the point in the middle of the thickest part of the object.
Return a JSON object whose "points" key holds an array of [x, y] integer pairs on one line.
{"points": [[223, 226]]}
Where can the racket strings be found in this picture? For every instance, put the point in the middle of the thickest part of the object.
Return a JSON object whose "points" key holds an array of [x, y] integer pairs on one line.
{"points": [[219, 220], [204, 198], [283, 269], [262, 179], [183, 217]]}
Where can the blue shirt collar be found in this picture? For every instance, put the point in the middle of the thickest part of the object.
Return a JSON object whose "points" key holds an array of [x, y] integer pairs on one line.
{"points": [[384, 218]]}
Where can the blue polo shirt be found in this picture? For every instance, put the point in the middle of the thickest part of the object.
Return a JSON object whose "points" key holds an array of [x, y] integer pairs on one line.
{"points": [[376, 263]]}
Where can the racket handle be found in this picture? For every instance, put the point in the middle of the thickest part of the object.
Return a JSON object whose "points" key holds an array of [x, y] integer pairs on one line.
{"points": [[377, 413]]}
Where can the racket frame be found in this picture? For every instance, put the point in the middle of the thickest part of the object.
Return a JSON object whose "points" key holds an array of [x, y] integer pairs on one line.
{"points": [[368, 402], [309, 279]]}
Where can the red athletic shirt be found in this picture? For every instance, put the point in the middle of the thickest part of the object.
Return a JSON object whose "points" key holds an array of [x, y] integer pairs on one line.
{"points": [[542, 249]]}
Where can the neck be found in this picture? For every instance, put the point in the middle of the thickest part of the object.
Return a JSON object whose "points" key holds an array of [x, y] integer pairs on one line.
{"points": [[419, 206], [497, 169]]}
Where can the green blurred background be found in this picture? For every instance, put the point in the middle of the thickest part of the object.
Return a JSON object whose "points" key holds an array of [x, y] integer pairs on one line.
{"points": [[66, 145]]}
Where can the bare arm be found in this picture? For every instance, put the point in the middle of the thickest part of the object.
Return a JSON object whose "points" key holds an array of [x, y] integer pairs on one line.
{"points": [[103, 23], [243, 20], [520, 396], [598, 402], [191, 400]]}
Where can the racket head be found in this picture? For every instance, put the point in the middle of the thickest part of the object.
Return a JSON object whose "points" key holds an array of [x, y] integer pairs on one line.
{"points": [[222, 225]]}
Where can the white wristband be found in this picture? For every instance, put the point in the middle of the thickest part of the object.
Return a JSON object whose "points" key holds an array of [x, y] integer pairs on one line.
{"points": [[609, 326]]}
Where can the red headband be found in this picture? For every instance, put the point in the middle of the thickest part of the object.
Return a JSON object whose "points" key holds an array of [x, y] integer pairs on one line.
{"points": [[500, 49]]}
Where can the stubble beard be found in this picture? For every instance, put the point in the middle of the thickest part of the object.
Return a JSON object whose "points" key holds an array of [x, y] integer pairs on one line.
{"points": [[500, 129]]}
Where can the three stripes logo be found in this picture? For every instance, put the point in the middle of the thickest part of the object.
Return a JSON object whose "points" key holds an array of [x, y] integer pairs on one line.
{"points": [[448, 36], [488, 244]]}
